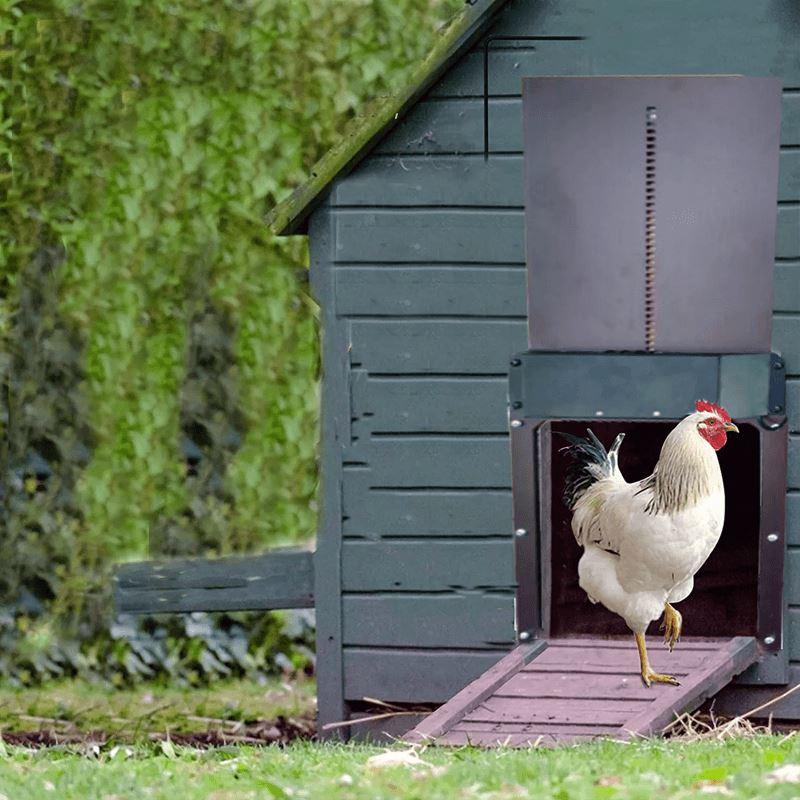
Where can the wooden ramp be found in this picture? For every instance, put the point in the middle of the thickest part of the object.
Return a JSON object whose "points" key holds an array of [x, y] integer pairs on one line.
{"points": [[568, 690]]}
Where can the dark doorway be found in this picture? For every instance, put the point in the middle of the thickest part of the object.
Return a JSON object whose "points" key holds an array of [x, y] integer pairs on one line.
{"points": [[724, 600]]}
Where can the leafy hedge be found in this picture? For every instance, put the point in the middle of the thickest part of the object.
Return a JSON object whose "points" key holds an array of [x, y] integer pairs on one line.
{"points": [[158, 353]]}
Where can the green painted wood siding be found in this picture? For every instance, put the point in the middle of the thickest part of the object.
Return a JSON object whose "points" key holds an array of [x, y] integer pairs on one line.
{"points": [[426, 286]]}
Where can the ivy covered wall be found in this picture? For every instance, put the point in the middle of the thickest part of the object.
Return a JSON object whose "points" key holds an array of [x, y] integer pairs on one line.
{"points": [[158, 349]]}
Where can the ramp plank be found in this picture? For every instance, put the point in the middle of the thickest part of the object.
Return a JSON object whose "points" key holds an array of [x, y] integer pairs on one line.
{"points": [[559, 691]]}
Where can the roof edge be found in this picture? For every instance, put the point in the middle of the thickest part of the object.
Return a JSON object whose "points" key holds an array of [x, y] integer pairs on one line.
{"points": [[290, 215]]}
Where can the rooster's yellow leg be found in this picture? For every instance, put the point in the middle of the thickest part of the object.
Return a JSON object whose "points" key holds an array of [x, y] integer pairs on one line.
{"points": [[648, 676], [672, 626]]}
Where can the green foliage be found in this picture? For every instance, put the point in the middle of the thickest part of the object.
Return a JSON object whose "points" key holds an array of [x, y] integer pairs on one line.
{"points": [[637, 770], [159, 353], [177, 650]]}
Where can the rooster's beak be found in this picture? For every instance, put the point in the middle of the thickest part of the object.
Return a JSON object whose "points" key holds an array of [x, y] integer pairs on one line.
{"points": [[729, 426]]}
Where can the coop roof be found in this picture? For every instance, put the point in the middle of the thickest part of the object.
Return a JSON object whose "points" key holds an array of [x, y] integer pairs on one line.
{"points": [[291, 215]]}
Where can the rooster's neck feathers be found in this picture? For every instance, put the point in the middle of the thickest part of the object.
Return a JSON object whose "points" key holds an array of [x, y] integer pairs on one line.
{"points": [[687, 470]]}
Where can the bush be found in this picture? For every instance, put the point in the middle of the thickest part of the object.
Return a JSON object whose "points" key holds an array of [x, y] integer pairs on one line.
{"points": [[159, 350]]}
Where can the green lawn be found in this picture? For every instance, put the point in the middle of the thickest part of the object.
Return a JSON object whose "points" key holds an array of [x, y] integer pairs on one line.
{"points": [[71, 707], [644, 770], [129, 763]]}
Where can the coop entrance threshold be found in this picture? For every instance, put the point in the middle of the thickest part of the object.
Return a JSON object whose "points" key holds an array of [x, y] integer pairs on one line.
{"points": [[560, 691]]}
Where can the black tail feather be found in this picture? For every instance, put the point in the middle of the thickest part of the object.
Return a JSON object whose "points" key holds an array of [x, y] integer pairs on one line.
{"points": [[584, 454]]}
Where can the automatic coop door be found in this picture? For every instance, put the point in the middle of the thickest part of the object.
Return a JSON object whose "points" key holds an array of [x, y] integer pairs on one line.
{"points": [[650, 212], [650, 243]]}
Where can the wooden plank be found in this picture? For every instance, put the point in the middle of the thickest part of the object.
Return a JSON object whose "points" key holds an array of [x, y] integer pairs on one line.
{"points": [[434, 461], [431, 405], [715, 36], [793, 631], [451, 235], [281, 579], [569, 685], [787, 243], [427, 566], [413, 675], [793, 575], [471, 512], [508, 62], [439, 127], [464, 347], [468, 235], [793, 404], [718, 671], [468, 619], [490, 708], [212, 573], [786, 340], [789, 175], [793, 476], [456, 126], [538, 738], [470, 180], [787, 286], [581, 711], [425, 180], [601, 669], [441, 291], [474, 291], [600, 53], [535, 728], [591, 657], [626, 643], [475, 693], [790, 118], [335, 415], [793, 518]]}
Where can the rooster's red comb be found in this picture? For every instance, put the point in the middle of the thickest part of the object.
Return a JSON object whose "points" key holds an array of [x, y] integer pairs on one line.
{"points": [[712, 408]]}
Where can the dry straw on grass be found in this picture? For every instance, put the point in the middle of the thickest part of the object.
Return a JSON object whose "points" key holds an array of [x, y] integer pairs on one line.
{"points": [[690, 727]]}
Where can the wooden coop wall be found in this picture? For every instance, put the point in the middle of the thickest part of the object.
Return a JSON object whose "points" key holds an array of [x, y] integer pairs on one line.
{"points": [[417, 261]]}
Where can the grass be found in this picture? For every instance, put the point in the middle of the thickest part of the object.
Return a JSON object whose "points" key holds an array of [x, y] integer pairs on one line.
{"points": [[651, 769], [132, 714], [130, 764]]}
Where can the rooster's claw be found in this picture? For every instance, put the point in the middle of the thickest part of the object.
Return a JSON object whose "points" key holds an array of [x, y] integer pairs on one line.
{"points": [[656, 677], [672, 626]]}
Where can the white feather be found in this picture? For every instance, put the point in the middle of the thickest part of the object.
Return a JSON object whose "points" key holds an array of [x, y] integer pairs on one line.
{"points": [[643, 546]]}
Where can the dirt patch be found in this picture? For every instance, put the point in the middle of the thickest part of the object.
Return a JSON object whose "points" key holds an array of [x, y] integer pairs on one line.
{"points": [[280, 731]]}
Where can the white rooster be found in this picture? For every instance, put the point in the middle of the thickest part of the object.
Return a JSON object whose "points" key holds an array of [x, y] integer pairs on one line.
{"points": [[643, 542]]}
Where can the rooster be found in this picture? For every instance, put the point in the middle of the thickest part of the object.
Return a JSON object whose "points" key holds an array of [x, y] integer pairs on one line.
{"points": [[643, 542]]}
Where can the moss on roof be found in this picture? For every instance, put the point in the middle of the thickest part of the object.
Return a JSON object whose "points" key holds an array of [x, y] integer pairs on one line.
{"points": [[290, 216]]}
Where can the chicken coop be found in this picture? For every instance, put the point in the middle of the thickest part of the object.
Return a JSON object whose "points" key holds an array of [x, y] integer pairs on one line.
{"points": [[577, 214]]}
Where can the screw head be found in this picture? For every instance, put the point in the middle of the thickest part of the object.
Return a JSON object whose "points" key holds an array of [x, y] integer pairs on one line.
{"points": [[778, 365], [525, 635], [516, 423], [520, 532], [767, 640], [599, 413], [656, 413], [776, 409], [773, 537], [515, 362], [516, 404]]}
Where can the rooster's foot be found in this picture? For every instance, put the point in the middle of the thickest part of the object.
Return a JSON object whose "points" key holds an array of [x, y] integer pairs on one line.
{"points": [[672, 626], [648, 676]]}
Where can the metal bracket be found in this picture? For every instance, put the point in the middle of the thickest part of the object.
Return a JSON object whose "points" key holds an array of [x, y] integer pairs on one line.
{"points": [[502, 38], [777, 395]]}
